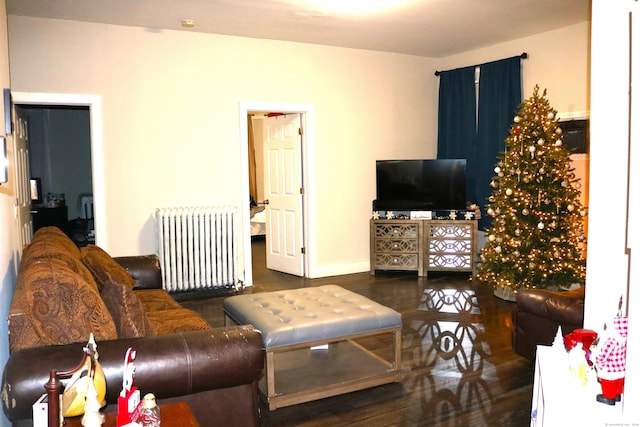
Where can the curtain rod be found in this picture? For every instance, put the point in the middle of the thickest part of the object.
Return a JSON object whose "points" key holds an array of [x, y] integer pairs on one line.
{"points": [[523, 55]]}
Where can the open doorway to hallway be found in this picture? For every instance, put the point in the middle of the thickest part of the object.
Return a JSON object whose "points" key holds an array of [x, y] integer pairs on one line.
{"points": [[285, 169], [84, 104], [59, 151], [276, 188]]}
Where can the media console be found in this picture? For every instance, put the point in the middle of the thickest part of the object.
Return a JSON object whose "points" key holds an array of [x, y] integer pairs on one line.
{"points": [[423, 245]]}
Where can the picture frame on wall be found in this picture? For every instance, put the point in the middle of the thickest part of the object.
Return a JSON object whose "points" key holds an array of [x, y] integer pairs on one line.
{"points": [[7, 111]]}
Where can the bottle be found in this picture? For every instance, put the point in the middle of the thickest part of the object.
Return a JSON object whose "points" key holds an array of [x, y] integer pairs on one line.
{"points": [[150, 416]]}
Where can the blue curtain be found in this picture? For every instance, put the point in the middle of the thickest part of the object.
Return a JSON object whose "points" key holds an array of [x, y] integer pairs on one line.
{"points": [[461, 137], [456, 113], [500, 94], [457, 118]]}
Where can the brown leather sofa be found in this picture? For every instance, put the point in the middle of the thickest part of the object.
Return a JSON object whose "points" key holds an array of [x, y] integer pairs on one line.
{"points": [[537, 315], [63, 294]]}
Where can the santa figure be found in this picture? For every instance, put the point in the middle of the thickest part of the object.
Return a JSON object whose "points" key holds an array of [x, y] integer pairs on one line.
{"points": [[610, 361]]}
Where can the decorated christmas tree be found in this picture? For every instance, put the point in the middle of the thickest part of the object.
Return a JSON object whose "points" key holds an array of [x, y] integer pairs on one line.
{"points": [[537, 236]]}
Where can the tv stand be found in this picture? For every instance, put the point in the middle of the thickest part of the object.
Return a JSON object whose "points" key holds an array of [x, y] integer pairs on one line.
{"points": [[423, 245]]}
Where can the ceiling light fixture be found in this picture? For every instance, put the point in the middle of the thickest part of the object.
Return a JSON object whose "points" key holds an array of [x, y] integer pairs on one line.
{"points": [[188, 23], [356, 6]]}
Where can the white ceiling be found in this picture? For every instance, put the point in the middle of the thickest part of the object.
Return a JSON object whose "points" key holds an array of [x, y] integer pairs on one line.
{"points": [[431, 28]]}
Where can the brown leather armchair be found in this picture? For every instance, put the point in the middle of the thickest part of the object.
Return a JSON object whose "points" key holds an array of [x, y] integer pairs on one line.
{"points": [[537, 315]]}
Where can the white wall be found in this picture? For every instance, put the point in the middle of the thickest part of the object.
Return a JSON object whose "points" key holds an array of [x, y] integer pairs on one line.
{"points": [[558, 61], [169, 104], [170, 114], [9, 246], [171, 127]]}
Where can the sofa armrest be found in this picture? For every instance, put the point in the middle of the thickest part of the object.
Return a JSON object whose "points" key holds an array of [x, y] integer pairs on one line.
{"points": [[145, 270], [168, 365], [562, 307]]}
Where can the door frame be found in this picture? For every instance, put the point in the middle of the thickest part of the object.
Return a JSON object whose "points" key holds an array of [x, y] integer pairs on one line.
{"points": [[308, 173], [94, 102]]}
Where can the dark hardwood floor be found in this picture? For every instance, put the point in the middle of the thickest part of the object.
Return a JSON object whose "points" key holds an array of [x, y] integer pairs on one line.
{"points": [[458, 368]]}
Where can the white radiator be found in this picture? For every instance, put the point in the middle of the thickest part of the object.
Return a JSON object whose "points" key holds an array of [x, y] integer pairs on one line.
{"points": [[197, 248]]}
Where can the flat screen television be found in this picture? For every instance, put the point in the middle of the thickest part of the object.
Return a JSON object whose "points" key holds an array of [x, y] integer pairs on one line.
{"points": [[425, 185]]}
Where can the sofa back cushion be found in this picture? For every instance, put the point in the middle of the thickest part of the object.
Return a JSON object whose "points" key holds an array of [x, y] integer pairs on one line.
{"points": [[127, 311], [116, 288], [62, 307], [53, 287], [55, 236], [42, 249], [105, 269]]}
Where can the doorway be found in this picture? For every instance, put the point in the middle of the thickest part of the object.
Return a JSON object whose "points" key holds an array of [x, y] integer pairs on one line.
{"points": [[93, 105], [305, 112], [59, 160]]}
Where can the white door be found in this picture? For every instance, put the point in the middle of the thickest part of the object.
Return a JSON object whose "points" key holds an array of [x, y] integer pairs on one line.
{"points": [[283, 190], [23, 195]]}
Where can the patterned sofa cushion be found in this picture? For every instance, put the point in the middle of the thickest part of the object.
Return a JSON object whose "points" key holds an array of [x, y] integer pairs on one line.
{"points": [[156, 300], [105, 269], [177, 320], [63, 307], [63, 293], [127, 311], [56, 237], [50, 247], [42, 249]]}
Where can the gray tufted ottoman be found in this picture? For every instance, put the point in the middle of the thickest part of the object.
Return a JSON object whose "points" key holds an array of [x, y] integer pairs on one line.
{"points": [[320, 341]]}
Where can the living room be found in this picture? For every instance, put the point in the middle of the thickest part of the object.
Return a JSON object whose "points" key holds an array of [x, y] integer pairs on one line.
{"points": [[170, 119]]}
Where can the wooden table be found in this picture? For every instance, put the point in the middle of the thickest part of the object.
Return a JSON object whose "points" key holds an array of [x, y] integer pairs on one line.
{"points": [[172, 415]]}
